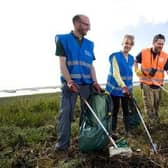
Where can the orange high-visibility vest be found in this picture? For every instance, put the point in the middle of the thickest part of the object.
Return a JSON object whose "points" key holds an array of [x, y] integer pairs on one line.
{"points": [[149, 62]]}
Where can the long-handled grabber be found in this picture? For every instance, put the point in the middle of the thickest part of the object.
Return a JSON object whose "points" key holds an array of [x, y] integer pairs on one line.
{"points": [[154, 146], [113, 150], [157, 84]]}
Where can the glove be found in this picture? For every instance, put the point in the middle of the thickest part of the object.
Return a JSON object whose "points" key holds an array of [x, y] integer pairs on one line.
{"points": [[97, 87], [72, 86], [138, 72], [126, 91]]}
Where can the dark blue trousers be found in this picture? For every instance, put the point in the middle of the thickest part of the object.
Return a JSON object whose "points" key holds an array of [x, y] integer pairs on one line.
{"points": [[66, 114]]}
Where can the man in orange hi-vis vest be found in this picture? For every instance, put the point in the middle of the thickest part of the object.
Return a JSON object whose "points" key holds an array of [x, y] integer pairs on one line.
{"points": [[153, 62]]}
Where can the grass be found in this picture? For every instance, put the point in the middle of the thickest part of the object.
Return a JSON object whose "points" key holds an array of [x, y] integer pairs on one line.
{"points": [[27, 131], [29, 111], [28, 122]]}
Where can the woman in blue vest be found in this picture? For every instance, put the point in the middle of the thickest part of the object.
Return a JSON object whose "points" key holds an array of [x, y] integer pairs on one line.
{"points": [[120, 82], [78, 75]]}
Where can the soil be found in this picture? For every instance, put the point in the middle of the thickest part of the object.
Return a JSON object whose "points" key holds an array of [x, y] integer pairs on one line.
{"points": [[46, 157], [43, 154], [101, 159]]}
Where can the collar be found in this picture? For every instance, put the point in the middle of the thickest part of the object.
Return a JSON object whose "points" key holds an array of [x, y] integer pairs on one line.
{"points": [[76, 37], [154, 53]]}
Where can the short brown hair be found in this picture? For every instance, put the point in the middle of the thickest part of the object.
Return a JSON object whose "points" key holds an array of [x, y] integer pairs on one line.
{"points": [[158, 36], [76, 18]]}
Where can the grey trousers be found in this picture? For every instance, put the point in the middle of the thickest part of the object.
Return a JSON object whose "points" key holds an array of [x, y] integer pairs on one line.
{"points": [[67, 105], [151, 99]]}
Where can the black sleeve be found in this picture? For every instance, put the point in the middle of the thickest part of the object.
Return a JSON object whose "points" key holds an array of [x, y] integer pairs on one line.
{"points": [[166, 66], [59, 49], [138, 58]]}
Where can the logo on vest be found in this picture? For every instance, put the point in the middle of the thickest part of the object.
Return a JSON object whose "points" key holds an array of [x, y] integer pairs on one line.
{"points": [[87, 53]]}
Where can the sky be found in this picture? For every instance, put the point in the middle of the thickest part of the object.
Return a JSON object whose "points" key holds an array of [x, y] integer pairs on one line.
{"points": [[28, 29]]}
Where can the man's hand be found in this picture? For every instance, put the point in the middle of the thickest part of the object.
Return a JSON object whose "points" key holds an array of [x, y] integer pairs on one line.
{"points": [[97, 87], [126, 91], [73, 86], [138, 72]]}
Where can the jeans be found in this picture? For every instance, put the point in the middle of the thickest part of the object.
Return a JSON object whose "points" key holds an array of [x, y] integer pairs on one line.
{"points": [[66, 115]]}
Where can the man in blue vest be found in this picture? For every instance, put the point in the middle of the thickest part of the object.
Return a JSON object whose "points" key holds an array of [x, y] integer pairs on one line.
{"points": [[78, 75]]}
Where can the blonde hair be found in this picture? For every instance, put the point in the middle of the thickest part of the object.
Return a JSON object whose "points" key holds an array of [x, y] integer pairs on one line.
{"points": [[130, 37]]}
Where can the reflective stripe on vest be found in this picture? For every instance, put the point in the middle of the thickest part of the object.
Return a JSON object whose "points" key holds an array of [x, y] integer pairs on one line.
{"points": [[117, 88], [152, 80], [71, 63], [124, 77], [78, 76], [148, 70]]}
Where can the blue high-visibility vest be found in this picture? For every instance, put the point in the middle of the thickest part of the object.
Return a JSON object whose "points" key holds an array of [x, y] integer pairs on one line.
{"points": [[126, 73], [78, 58]]}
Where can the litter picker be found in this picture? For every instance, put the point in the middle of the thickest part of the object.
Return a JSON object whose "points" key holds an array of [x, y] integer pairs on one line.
{"points": [[157, 84], [164, 89], [113, 150], [154, 146]]}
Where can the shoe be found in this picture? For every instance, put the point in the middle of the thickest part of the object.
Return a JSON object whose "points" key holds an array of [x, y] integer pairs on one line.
{"points": [[58, 148]]}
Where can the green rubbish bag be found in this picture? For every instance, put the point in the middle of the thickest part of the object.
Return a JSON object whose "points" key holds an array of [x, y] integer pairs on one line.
{"points": [[133, 117], [91, 136], [122, 143]]}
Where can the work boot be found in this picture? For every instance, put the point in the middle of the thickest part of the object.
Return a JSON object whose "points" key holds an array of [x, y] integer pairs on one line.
{"points": [[58, 148]]}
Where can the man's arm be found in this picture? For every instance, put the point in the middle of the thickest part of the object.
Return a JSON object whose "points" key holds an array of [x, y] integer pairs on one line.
{"points": [[138, 58], [64, 69], [93, 73], [136, 67], [62, 60], [166, 66], [59, 49]]}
